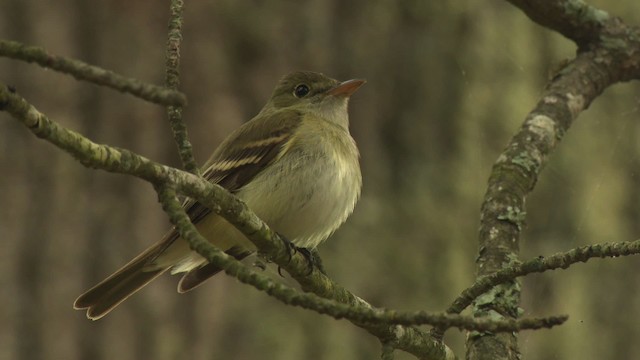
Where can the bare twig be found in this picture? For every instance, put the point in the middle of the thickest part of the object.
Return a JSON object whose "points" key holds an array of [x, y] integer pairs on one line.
{"points": [[83, 71], [541, 264], [172, 81]]}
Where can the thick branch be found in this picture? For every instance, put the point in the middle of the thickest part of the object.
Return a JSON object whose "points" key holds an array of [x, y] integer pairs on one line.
{"points": [[609, 53], [574, 19], [513, 177], [591, 29]]}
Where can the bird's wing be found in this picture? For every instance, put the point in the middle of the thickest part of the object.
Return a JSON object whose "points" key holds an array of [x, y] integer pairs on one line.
{"points": [[240, 157], [245, 153]]}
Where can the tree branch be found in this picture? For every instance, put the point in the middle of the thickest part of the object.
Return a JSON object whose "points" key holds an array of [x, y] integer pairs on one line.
{"points": [[83, 71], [221, 202], [610, 52], [574, 19], [562, 260], [172, 81], [362, 313]]}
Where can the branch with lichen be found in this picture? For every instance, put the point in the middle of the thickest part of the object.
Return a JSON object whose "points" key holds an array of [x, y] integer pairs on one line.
{"points": [[362, 313], [220, 201], [172, 81], [609, 52], [93, 74], [562, 260]]}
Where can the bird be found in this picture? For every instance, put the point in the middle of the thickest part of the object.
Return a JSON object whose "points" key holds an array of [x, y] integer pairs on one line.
{"points": [[295, 164]]}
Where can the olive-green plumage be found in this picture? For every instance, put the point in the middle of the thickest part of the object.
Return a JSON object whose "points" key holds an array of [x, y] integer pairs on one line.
{"points": [[294, 164]]}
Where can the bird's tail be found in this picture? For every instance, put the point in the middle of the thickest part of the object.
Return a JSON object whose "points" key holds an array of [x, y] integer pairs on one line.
{"points": [[109, 293], [169, 253]]}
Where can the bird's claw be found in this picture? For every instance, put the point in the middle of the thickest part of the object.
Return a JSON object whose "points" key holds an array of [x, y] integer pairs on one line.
{"points": [[313, 260]]}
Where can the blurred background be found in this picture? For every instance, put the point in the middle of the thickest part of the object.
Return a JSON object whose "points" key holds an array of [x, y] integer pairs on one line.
{"points": [[448, 84]]}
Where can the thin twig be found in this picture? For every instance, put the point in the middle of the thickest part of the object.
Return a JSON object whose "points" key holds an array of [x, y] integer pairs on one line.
{"points": [[541, 264], [172, 81], [83, 71]]}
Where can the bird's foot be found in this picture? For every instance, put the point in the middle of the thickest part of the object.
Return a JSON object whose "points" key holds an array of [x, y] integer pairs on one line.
{"points": [[312, 256]]}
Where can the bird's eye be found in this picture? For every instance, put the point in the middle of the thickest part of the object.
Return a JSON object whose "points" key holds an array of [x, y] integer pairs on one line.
{"points": [[301, 91]]}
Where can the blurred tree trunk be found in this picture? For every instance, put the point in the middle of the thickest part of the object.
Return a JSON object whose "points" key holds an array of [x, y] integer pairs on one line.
{"points": [[27, 264], [89, 111]]}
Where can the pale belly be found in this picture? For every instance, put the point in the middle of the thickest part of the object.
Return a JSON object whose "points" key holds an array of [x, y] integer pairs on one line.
{"points": [[304, 206]]}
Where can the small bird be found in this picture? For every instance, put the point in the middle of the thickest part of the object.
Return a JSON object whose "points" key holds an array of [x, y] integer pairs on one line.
{"points": [[294, 164]]}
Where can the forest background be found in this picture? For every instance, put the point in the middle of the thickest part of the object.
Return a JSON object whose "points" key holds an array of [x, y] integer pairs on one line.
{"points": [[448, 84]]}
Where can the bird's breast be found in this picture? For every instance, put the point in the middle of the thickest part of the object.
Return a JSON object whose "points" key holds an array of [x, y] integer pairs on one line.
{"points": [[310, 191]]}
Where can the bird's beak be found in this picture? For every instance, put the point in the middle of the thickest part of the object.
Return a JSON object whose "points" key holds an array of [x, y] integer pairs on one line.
{"points": [[346, 88]]}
